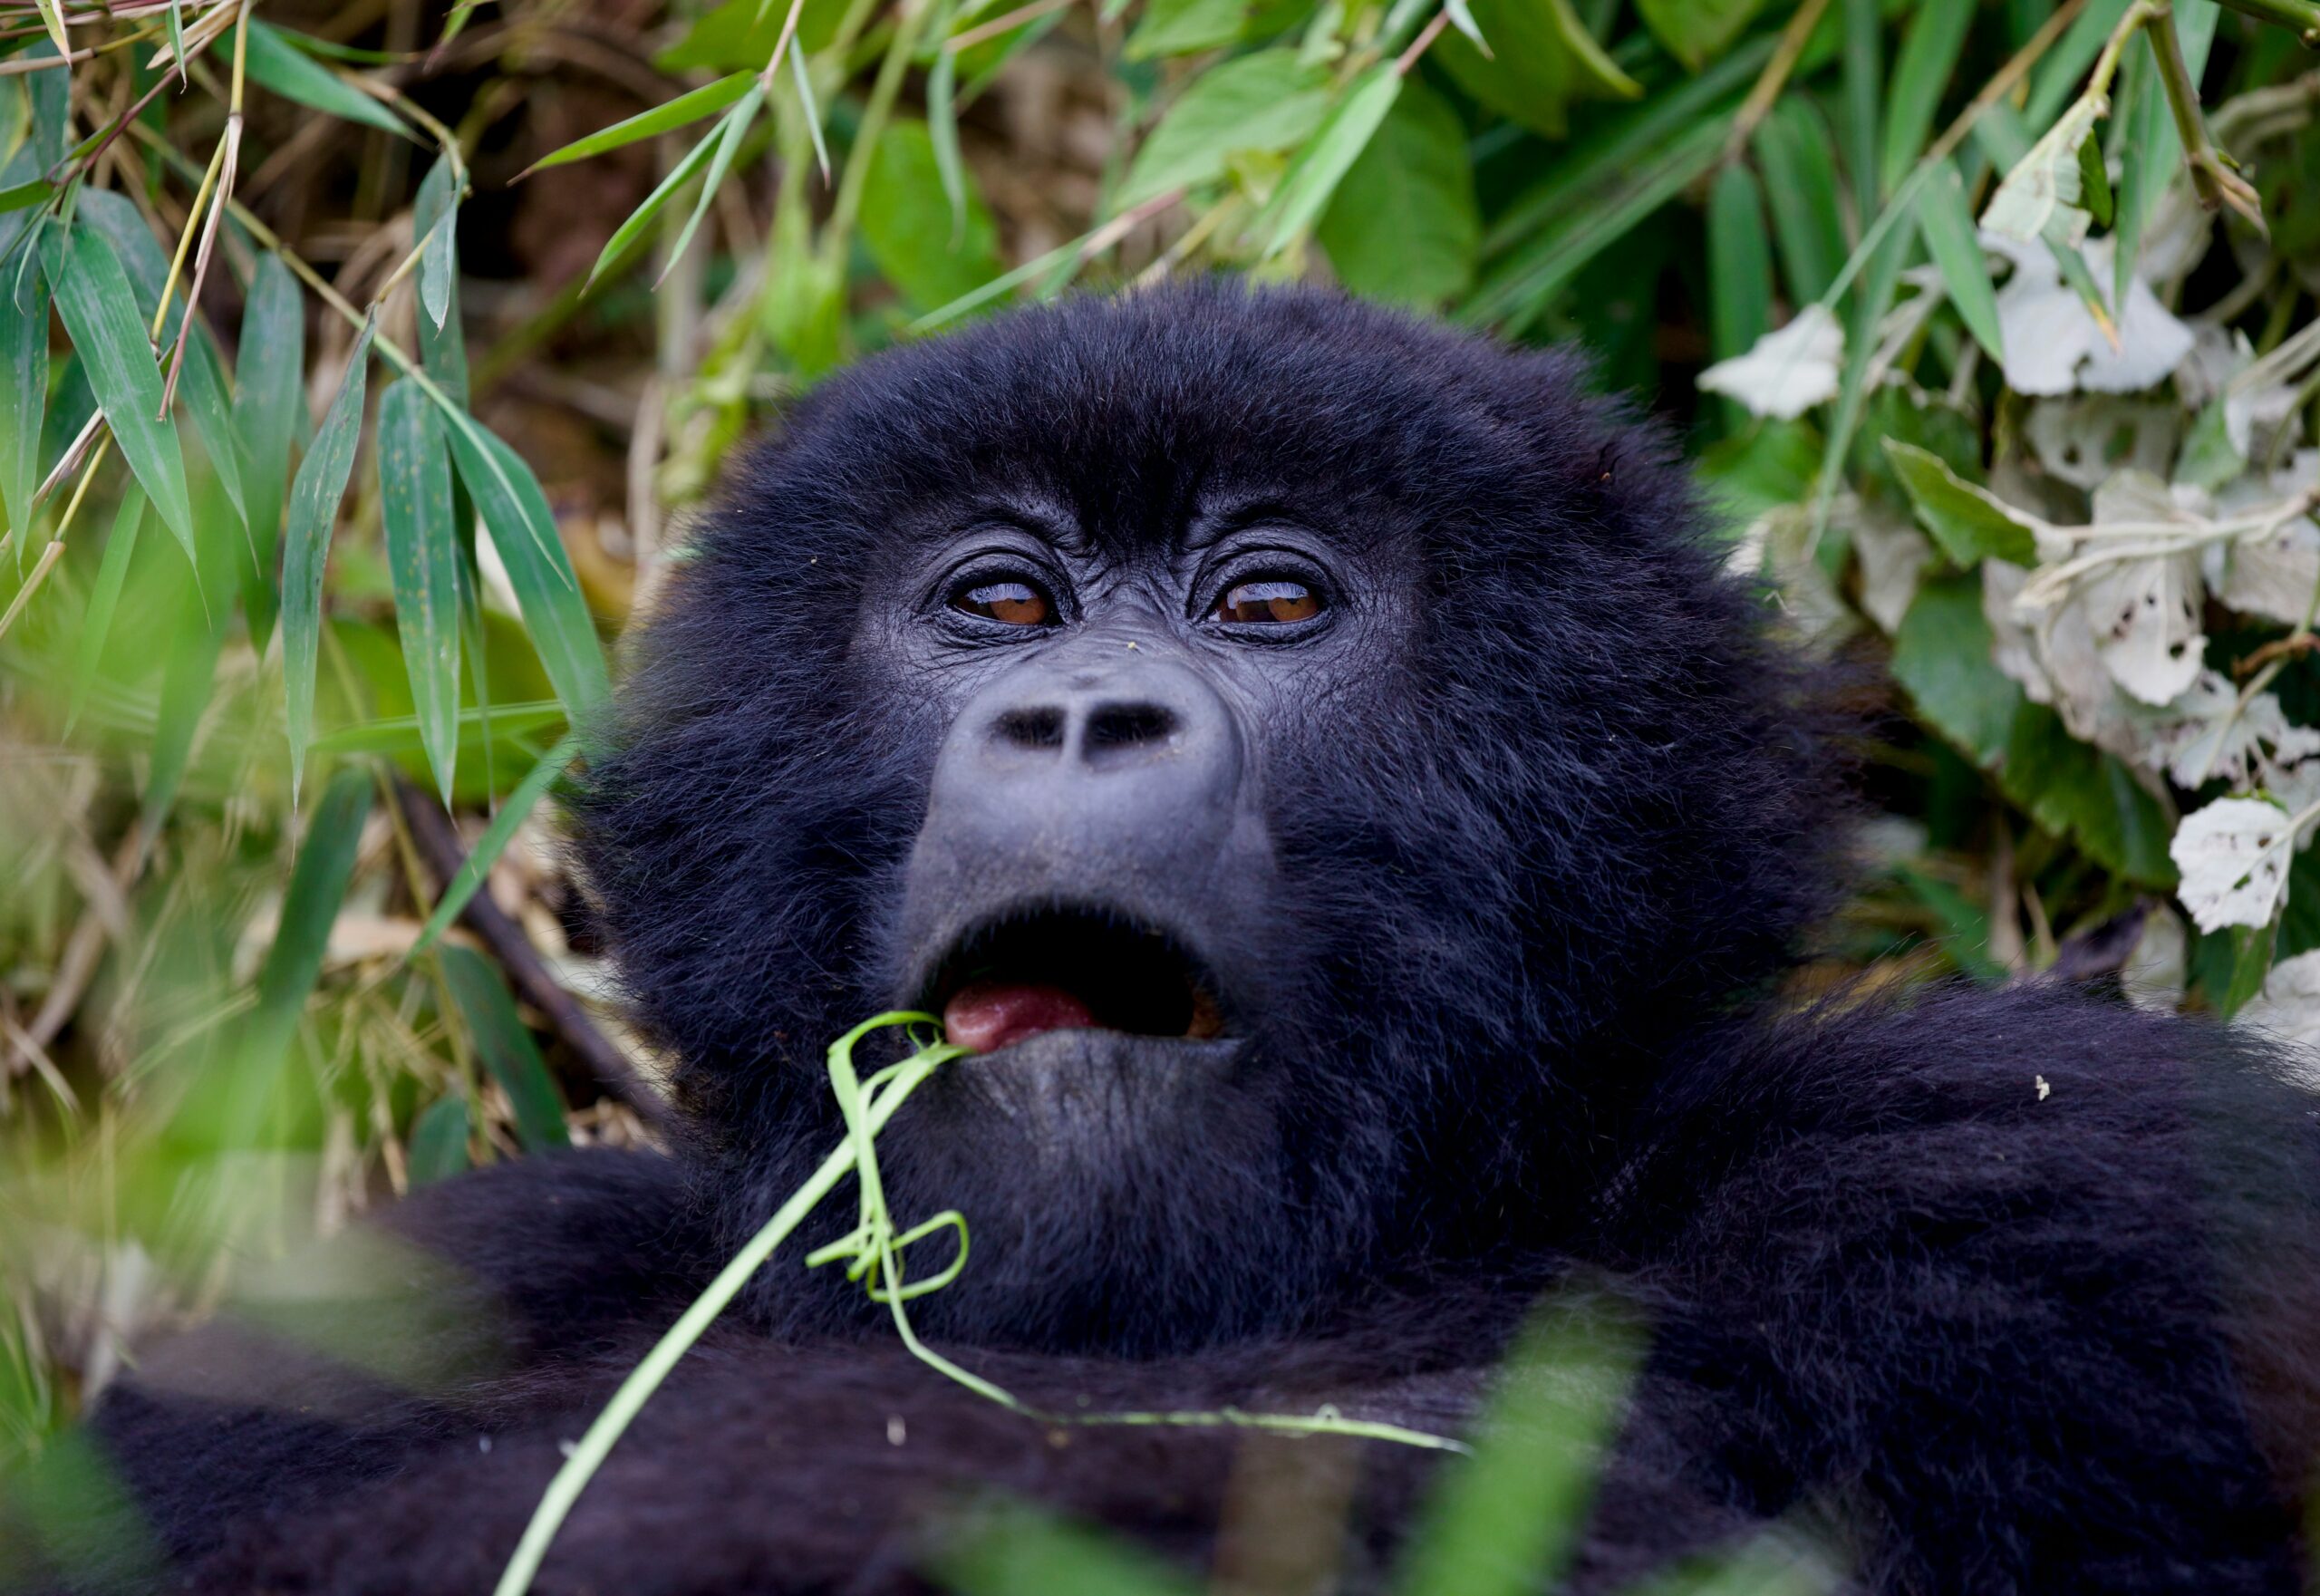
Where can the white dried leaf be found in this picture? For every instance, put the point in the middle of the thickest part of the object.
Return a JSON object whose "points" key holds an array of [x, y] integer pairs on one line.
{"points": [[2233, 857], [1893, 555], [2288, 1009], [2275, 573], [1789, 371], [2145, 615], [2291, 775], [2014, 646], [2206, 734], [2052, 342], [1778, 549], [2039, 198], [2155, 971], [2083, 440]]}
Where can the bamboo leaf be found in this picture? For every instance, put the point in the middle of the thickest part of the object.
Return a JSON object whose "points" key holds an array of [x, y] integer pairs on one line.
{"points": [[291, 72], [506, 1047], [942, 127], [23, 389], [177, 40], [513, 812], [812, 111], [424, 550], [398, 735], [642, 216], [52, 17], [104, 598], [439, 1141], [269, 406], [1739, 267], [675, 113], [306, 549], [442, 340], [523, 530], [1946, 223], [1313, 176], [1929, 51], [436, 218], [1801, 181], [99, 309], [1265, 102], [727, 141], [1695, 30]]}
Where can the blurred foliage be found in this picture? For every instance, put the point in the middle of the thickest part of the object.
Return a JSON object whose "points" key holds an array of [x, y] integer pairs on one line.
{"points": [[1989, 323]]}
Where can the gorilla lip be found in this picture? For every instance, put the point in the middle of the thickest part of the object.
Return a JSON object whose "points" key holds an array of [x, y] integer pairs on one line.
{"points": [[1056, 970]]}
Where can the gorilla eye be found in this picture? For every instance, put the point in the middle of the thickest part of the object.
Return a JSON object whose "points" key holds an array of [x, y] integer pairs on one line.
{"points": [[1008, 601], [1271, 602]]}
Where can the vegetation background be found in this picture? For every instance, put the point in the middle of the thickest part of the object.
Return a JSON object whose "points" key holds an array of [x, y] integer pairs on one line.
{"points": [[1988, 321]]}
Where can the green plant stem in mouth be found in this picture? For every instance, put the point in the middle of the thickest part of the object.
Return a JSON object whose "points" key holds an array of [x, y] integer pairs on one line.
{"points": [[876, 1249]]}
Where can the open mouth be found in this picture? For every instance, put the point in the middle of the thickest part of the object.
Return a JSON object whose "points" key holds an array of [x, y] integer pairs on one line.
{"points": [[1067, 969]]}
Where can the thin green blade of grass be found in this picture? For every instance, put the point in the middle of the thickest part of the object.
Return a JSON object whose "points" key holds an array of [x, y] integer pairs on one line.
{"points": [[269, 408], [99, 310], [1314, 174], [1929, 51], [1740, 270], [686, 108], [695, 159], [516, 514], [1799, 167], [506, 1047], [423, 554], [305, 548], [803, 81], [1946, 223], [104, 598], [281, 66], [728, 141], [942, 128], [1863, 81], [494, 841]]}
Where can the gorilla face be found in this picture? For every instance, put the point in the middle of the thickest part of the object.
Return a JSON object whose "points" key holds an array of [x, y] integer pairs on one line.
{"points": [[1305, 753]]}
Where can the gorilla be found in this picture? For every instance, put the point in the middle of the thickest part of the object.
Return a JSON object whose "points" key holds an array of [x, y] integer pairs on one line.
{"points": [[1317, 763]]}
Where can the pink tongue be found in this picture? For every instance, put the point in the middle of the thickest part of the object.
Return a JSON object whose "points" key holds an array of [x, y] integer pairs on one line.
{"points": [[987, 1015]]}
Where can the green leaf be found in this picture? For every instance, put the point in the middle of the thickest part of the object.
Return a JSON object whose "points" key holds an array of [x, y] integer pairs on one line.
{"points": [[289, 72], [442, 340], [24, 388], [726, 142], [1965, 927], [1403, 225], [1695, 30], [2093, 181], [439, 1141], [1011, 1549], [523, 530], [1739, 271], [1265, 102], [942, 130], [905, 222], [398, 736], [686, 108], [1183, 27], [2208, 458], [1313, 176], [513, 812], [99, 309], [104, 598], [1970, 522], [1946, 222], [269, 409], [1800, 169], [695, 159], [424, 549], [1541, 59], [305, 548], [1502, 1521], [741, 34], [1929, 51], [20, 196], [506, 1047], [435, 215], [1941, 657]]}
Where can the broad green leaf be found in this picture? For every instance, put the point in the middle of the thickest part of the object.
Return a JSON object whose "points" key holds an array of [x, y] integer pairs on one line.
{"points": [[1970, 522], [236, 1116], [1015, 1550], [1541, 59], [424, 549], [306, 546], [1183, 27], [51, 93], [906, 222], [435, 217], [1695, 30], [269, 409], [1265, 102], [23, 387], [506, 1047], [1941, 657], [99, 310], [1313, 176], [1502, 1521], [20, 196], [706, 100], [1403, 225], [201, 386], [439, 1141], [1739, 267], [1965, 927], [1800, 169], [513, 812], [741, 34], [523, 530], [1947, 225], [1929, 50], [291, 72], [104, 598]]}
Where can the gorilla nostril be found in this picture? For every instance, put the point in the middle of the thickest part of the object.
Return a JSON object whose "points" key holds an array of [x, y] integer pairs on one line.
{"points": [[1031, 729], [1128, 725]]}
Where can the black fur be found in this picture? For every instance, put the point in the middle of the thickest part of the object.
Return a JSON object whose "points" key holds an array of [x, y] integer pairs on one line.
{"points": [[1992, 1292]]}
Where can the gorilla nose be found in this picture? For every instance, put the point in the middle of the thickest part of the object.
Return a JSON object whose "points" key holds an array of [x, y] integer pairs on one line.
{"points": [[1108, 791]]}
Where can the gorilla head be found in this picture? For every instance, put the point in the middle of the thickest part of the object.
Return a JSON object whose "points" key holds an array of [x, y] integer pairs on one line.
{"points": [[1308, 753]]}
